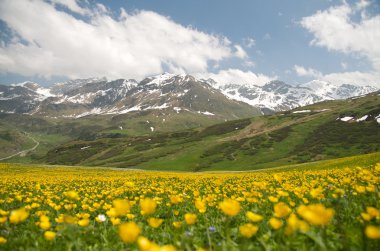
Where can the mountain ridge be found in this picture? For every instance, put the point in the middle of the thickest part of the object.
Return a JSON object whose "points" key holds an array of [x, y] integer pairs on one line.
{"points": [[82, 97]]}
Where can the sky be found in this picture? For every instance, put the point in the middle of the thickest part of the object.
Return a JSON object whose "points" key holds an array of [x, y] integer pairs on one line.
{"points": [[240, 42]]}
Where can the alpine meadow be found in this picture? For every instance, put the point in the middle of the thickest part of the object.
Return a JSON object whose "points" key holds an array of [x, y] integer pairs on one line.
{"points": [[189, 125]]}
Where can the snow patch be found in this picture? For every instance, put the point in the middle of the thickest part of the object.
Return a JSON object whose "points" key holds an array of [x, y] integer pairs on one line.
{"points": [[362, 118], [152, 129], [206, 113], [346, 119], [177, 109], [134, 108], [302, 111]]}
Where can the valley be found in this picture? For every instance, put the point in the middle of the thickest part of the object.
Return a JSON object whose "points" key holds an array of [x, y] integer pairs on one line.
{"points": [[167, 139]]}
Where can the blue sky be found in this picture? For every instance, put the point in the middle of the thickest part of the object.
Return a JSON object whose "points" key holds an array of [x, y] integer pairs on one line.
{"points": [[242, 41]]}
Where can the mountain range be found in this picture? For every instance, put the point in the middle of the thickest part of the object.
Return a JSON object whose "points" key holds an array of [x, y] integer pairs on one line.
{"points": [[167, 93]]}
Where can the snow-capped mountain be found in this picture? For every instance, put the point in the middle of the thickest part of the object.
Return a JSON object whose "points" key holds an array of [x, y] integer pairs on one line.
{"points": [[169, 92], [279, 96], [165, 92]]}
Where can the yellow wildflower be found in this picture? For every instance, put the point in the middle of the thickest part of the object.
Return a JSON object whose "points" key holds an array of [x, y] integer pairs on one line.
{"points": [[200, 205], [316, 214], [49, 235], [115, 221], [281, 210], [372, 232], [177, 224], [175, 199], [148, 206], [2, 240], [248, 230], [121, 207], [230, 207], [190, 219], [129, 232], [253, 217], [18, 215], [45, 225], [294, 224], [84, 222], [275, 223], [72, 195], [146, 245], [155, 222]]}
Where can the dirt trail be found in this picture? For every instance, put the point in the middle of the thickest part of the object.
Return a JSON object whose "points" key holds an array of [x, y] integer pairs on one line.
{"points": [[24, 152]]}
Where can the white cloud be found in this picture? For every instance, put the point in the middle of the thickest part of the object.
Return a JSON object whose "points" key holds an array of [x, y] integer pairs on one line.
{"points": [[355, 78], [339, 78], [52, 42], [306, 72], [249, 42], [240, 52], [72, 5], [334, 29], [236, 76]]}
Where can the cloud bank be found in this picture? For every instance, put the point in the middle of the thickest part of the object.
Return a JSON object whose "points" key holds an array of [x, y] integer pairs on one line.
{"points": [[63, 38], [336, 30], [238, 77]]}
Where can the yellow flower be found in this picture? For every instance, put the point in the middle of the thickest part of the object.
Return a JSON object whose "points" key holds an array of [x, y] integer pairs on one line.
{"points": [[190, 219], [317, 193], [84, 222], [155, 222], [72, 195], [3, 219], [168, 248], [45, 225], [316, 214], [273, 199], [373, 212], [177, 224], [70, 219], [372, 232], [115, 221], [294, 224], [148, 206], [49, 235], [253, 217], [281, 210], [18, 215], [122, 207], [230, 207], [248, 230], [175, 199], [2, 240], [44, 218], [275, 223], [145, 244], [200, 205], [129, 232]]}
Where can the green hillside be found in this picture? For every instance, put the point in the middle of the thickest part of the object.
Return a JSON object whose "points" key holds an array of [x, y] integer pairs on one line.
{"points": [[307, 134]]}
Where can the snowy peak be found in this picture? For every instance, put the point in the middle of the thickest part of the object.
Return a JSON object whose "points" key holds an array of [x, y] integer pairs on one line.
{"points": [[177, 93], [279, 96], [169, 92]]}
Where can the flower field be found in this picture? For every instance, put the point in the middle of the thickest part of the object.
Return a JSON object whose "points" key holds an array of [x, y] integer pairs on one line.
{"points": [[70, 208]]}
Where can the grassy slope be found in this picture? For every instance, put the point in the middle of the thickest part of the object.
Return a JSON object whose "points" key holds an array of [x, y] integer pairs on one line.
{"points": [[260, 142]]}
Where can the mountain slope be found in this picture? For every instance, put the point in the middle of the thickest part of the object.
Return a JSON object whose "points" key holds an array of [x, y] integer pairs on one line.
{"points": [[167, 92], [279, 96], [315, 132]]}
